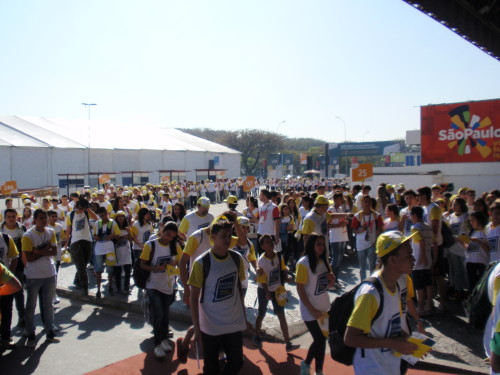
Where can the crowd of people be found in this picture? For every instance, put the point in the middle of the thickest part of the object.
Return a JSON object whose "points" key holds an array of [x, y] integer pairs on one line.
{"points": [[420, 244]]}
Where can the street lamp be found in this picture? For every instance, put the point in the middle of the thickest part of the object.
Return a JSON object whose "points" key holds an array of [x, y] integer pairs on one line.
{"points": [[345, 141], [88, 105], [277, 146]]}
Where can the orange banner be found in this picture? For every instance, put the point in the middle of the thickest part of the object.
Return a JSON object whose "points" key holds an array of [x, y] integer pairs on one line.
{"points": [[104, 179], [362, 172], [8, 187], [461, 132], [249, 183]]}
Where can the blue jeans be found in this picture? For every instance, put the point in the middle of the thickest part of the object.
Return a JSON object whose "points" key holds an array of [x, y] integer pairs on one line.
{"points": [[366, 257], [48, 288], [160, 308], [337, 250]]}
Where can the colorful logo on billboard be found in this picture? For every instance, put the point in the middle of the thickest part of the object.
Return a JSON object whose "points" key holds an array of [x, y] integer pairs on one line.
{"points": [[468, 131], [461, 132]]}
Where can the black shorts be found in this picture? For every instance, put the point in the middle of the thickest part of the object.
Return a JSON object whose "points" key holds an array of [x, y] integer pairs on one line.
{"points": [[263, 302], [421, 279]]}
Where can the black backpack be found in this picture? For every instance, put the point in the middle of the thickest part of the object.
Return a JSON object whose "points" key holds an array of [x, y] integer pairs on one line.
{"points": [[478, 307], [447, 234], [139, 275], [340, 312], [235, 256]]}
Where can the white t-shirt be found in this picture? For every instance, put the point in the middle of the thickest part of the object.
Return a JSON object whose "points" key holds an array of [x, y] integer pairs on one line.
{"points": [[493, 234], [315, 285], [192, 222], [390, 323], [43, 267], [272, 271], [337, 234], [475, 253], [221, 311], [141, 233], [163, 281], [80, 228], [123, 250], [424, 236], [408, 223], [247, 252], [268, 213]]}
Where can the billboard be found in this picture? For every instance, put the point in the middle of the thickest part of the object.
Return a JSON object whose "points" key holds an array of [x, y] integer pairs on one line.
{"points": [[461, 132], [337, 150]]}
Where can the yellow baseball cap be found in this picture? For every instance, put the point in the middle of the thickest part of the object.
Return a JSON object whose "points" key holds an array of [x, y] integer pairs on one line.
{"points": [[321, 199], [389, 241], [121, 213], [24, 196], [231, 199]]}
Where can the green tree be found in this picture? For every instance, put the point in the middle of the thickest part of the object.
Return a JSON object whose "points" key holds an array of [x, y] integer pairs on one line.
{"points": [[254, 145]]}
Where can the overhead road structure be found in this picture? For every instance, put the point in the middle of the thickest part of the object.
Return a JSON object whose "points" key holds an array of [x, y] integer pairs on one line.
{"points": [[477, 21]]}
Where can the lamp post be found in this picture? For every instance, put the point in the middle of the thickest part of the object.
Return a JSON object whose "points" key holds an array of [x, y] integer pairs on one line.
{"points": [[345, 141], [88, 105], [277, 147]]}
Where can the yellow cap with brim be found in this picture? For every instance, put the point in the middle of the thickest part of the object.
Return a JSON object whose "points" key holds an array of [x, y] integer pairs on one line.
{"points": [[231, 199], [121, 213], [389, 241], [321, 199]]}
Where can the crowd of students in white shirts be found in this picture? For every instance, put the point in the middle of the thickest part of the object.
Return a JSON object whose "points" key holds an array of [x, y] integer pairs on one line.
{"points": [[304, 226]]}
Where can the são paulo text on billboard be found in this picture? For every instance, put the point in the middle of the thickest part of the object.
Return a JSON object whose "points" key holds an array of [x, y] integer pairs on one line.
{"points": [[461, 132]]}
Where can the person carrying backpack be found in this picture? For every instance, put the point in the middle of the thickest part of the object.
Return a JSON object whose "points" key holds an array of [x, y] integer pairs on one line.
{"points": [[377, 340], [314, 277], [217, 303]]}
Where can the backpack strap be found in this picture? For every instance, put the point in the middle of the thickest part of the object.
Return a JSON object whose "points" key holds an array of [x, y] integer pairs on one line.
{"points": [[6, 239], [206, 270]]}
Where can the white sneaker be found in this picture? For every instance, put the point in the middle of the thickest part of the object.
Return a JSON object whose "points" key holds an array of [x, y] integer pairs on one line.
{"points": [[165, 345], [159, 352]]}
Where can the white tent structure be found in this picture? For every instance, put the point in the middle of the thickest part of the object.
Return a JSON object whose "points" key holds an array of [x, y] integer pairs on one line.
{"points": [[37, 152]]}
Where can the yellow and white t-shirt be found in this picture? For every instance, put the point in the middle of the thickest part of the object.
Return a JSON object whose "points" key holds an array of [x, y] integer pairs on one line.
{"points": [[424, 236], [316, 286], [8, 251], [433, 212], [141, 234], [192, 222], [43, 267], [221, 311], [458, 224], [475, 253], [492, 325], [408, 224], [162, 281], [315, 223], [391, 323], [247, 252], [199, 242], [272, 270]]}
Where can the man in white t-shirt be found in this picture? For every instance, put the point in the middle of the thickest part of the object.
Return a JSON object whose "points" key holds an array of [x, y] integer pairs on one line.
{"points": [[79, 235], [196, 220], [269, 217]]}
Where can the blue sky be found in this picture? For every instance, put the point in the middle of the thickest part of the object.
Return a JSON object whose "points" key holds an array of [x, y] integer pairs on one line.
{"points": [[238, 64]]}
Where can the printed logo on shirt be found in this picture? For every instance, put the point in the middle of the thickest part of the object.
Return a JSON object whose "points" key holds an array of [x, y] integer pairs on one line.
{"points": [[224, 288], [408, 226], [241, 251], [393, 329], [492, 241], [274, 276], [455, 228], [404, 297], [473, 247], [121, 242], [322, 284], [203, 225], [145, 236], [163, 261], [80, 224]]}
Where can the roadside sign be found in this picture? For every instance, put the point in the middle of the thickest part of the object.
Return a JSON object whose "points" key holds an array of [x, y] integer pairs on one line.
{"points": [[249, 183], [362, 172]]}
